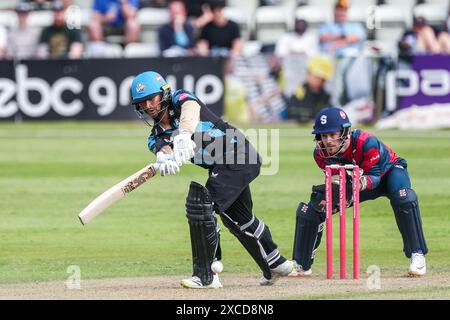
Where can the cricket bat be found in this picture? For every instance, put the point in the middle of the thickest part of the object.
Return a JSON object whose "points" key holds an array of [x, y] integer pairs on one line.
{"points": [[115, 193]]}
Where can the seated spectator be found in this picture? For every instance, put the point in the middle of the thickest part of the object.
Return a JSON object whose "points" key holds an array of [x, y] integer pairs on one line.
{"points": [[297, 42], [114, 17], [444, 36], [3, 41], [200, 11], [58, 41], [220, 37], [420, 39], [22, 40], [310, 96], [341, 38], [177, 37]]}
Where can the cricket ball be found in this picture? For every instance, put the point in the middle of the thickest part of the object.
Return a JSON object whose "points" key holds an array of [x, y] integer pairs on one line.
{"points": [[217, 267]]}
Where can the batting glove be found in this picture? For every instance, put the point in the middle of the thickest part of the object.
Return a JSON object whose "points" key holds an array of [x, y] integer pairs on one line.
{"points": [[166, 164], [183, 148]]}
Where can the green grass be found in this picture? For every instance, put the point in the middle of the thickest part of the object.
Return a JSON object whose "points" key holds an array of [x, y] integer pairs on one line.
{"points": [[50, 171]]}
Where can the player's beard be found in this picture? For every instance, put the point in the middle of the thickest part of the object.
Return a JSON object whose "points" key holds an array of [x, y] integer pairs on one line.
{"points": [[326, 151], [159, 116]]}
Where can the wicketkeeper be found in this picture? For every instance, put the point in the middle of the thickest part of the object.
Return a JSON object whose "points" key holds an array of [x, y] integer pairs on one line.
{"points": [[384, 174], [184, 130]]}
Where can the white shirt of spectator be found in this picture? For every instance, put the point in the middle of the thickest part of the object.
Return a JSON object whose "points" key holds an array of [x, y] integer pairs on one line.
{"points": [[292, 44], [22, 43]]}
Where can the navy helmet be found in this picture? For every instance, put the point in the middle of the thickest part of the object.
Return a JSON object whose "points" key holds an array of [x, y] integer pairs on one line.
{"points": [[331, 119]]}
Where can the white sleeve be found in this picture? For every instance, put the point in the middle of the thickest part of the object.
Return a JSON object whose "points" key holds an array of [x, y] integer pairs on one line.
{"points": [[190, 116]]}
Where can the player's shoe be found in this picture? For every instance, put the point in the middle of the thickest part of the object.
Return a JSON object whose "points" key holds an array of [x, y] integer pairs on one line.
{"points": [[195, 283], [280, 271], [418, 265], [299, 272]]}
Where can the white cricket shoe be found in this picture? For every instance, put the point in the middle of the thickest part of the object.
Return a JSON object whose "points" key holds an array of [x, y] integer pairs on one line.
{"points": [[281, 271], [195, 283], [418, 265], [299, 272]]}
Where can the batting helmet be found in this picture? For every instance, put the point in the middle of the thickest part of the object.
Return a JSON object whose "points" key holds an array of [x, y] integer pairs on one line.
{"points": [[331, 119], [147, 85]]}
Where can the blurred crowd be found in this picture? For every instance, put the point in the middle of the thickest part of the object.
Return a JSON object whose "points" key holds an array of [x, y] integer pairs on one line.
{"points": [[195, 27], [201, 28]]}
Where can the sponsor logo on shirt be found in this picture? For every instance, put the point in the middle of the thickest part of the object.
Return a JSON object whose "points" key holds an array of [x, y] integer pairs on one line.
{"points": [[183, 96]]}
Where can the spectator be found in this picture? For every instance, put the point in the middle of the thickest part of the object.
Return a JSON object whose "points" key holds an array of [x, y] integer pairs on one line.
{"points": [[58, 41], [115, 17], [297, 42], [200, 11], [420, 39], [341, 38], [444, 36], [311, 96], [3, 41], [221, 36], [177, 37], [22, 40], [447, 22]]}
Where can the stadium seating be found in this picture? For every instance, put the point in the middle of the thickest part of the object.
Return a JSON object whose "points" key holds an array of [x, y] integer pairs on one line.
{"points": [[150, 20], [442, 3], [86, 14], [8, 4], [141, 50], [434, 13], [40, 19], [405, 4], [84, 4], [103, 50], [270, 23], [393, 20], [359, 13], [8, 18], [251, 48], [241, 18], [314, 15], [246, 6]]}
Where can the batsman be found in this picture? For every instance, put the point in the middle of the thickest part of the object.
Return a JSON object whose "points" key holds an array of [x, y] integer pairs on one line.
{"points": [[184, 130], [383, 174]]}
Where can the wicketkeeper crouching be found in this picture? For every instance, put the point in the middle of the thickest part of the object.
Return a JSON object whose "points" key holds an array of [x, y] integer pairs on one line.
{"points": [[179, 119], [384, 174]]}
